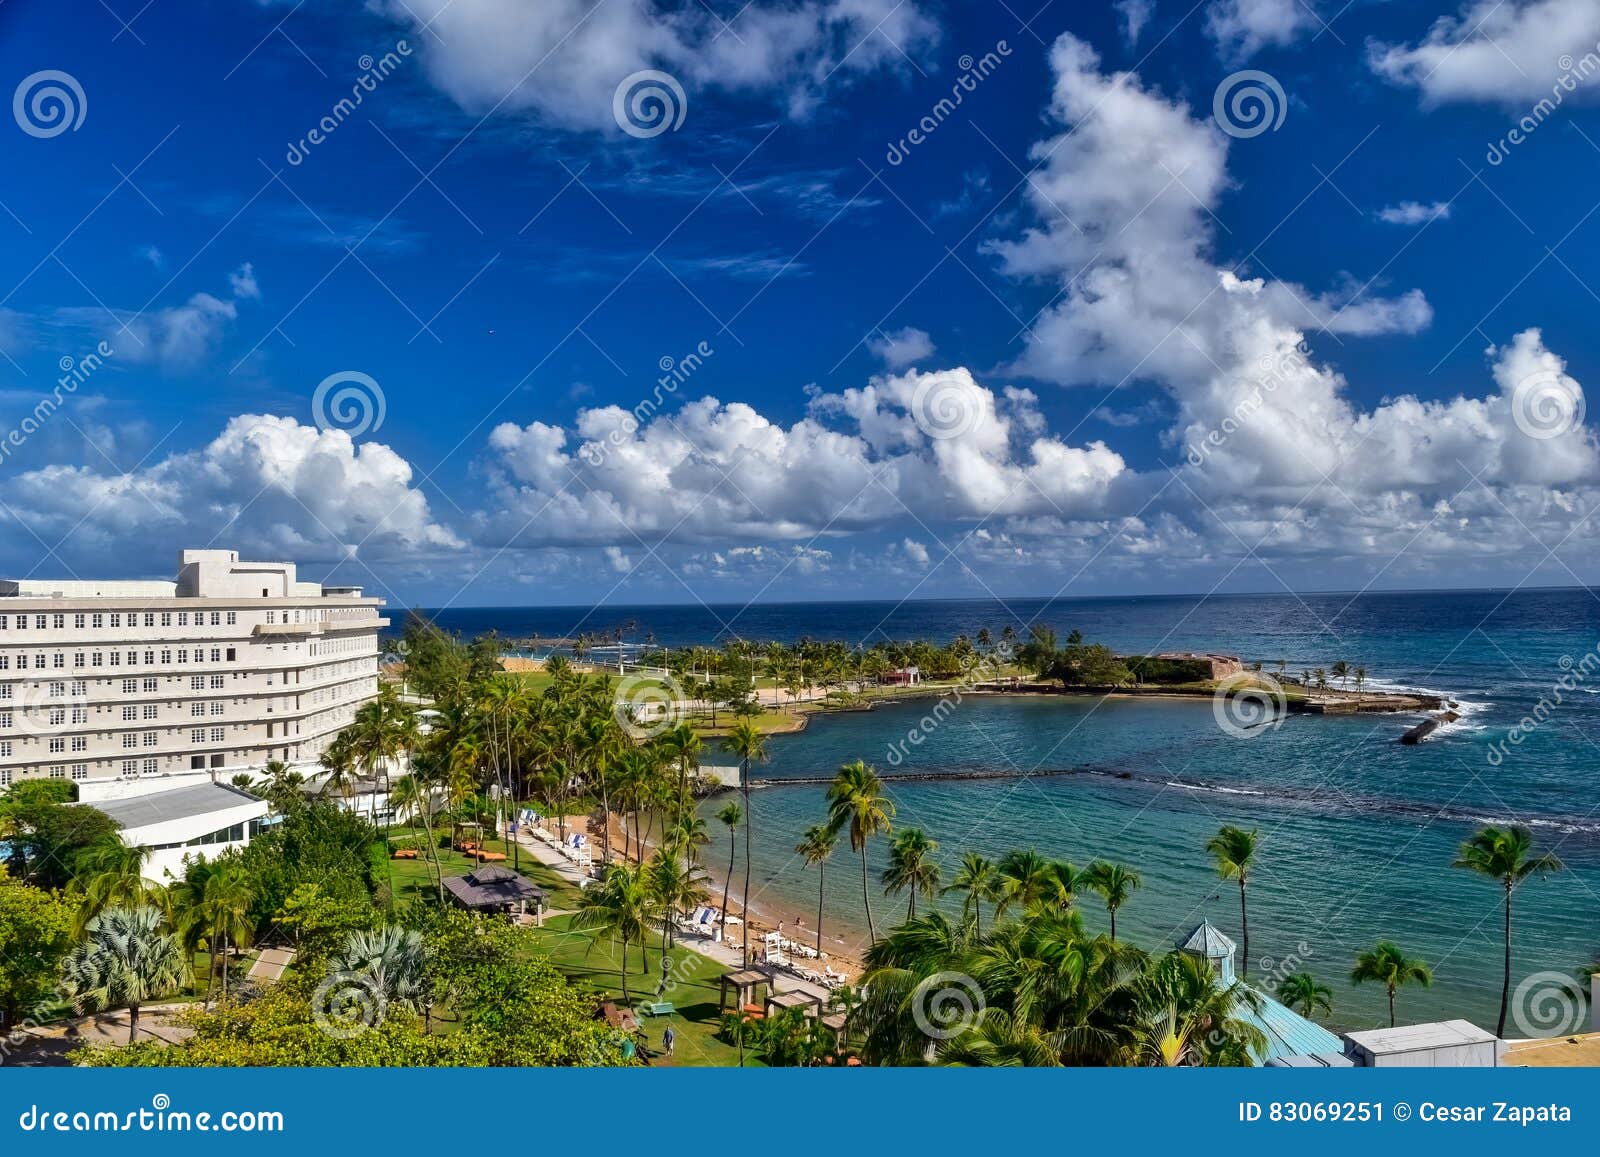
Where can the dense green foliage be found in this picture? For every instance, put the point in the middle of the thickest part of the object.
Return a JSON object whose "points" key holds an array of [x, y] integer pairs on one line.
{"points": [[36, 932]]}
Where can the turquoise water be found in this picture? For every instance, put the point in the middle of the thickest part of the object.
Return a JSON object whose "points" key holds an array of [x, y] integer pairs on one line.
{"points": [[1358, 832]]}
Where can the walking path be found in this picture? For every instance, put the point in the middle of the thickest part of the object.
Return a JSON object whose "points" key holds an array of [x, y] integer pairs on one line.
{"points": [[728, 954]]}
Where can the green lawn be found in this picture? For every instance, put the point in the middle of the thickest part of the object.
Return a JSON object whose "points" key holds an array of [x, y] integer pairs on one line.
{"points": [[411, 877], [592, 960]]}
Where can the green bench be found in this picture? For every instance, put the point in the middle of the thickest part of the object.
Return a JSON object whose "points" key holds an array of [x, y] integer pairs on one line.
{"points": [[658, 1008]]}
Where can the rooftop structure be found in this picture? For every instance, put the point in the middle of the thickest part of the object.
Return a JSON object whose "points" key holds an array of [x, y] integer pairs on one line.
{"points": [[1443, 1044], [200, 818], [1289, 1035]]}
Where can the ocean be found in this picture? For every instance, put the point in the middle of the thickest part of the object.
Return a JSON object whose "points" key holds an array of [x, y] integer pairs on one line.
{"points": [[1357, 831]]}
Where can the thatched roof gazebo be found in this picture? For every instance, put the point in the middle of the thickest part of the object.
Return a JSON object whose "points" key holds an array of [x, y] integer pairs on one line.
{"points": [[495, 889]]}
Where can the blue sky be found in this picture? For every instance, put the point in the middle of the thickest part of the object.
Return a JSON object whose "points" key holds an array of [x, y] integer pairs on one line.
{"points": [[1084, 336]]}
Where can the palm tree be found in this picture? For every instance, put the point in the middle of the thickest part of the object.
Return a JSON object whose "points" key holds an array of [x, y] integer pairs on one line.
{"points": [[1115, 884], [746, 741], [978, 881], [816, 847], [1392, 968], [912, 867], [1026, 879], [392, 961], [675, 887], [1301, 992], [1184, 1018], [621, 904], [113, 877], [732, 815], [1505, 855], [1234, 849], [125, 960], [218, 911], [1340, 671], [856, 801], [1361, 678]]}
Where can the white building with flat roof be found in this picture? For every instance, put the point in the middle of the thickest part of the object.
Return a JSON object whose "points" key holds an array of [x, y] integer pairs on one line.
{"points": [[229, 666], [200, 819]]}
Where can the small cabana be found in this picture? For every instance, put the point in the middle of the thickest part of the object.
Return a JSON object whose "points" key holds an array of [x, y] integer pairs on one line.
{"points": [[495, 889], [779, 1001], [744, 982]]}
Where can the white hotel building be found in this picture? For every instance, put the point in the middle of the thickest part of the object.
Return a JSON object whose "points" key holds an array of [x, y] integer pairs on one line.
{"points": [[114, 684]]}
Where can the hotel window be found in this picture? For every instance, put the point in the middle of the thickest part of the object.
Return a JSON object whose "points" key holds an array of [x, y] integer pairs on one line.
{"points": [[57, 716], [152, 684], [149, 659], [217, 709], [183, 655], [197, 709], [149, 767], [133, 658], [198, 735], [5, 690], [129, 686], [78, 658], [97, 659], [216, 619], [130, 740], [77, 621], [97, 620], [5, 747], [233, 618], [230, 654], [149, 738], [130, 712], [216, 682], [166, 618], [5, 719], [58, 772], [150, 710], [149, 619], [58, 660], [183, 619], [5, 663], [197, 682], [4, 621], [116, 620], [5, 778], [38, 661], [80, 771], [218, 734], [80, 687], [58, 621], [57, 744], [216, 654], [166, 656], [130, 767], [39, 622], [57, 690], [272, 617], [116, 658], [79, 742]]}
